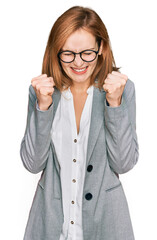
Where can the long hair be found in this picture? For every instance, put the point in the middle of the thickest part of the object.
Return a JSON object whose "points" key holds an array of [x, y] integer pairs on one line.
{"points": [[73, 19]]}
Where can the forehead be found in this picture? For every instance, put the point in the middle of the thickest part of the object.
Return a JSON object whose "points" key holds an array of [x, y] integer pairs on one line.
{"points": [[79, 41]]}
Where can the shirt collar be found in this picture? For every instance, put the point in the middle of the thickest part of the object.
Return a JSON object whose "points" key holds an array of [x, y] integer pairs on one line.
{"points": [[68, 94]]}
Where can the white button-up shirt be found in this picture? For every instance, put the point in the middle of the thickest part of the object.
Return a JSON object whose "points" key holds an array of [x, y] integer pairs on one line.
{"points": [[71, 149]]}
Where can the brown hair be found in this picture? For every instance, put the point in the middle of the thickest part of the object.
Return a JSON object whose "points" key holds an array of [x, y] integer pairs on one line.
{"points": [[73, 19]]}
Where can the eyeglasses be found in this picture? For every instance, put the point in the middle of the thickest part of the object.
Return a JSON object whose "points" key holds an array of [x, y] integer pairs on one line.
{"points": [[87, 55]]}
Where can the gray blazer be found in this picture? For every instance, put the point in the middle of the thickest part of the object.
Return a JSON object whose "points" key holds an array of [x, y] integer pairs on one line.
{"points": [[112, 147]]}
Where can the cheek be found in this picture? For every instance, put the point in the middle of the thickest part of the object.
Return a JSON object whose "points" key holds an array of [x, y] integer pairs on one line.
{"points": [[93, 66], [65, 67]]}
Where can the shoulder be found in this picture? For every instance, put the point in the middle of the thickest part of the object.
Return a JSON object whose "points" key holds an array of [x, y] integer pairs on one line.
{"points": [[129, 90], [32, 94], [31, 90]]}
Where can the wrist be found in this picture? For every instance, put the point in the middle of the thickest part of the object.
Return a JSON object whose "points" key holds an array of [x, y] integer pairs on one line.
{"points": [[44, 107], [114, 103]]}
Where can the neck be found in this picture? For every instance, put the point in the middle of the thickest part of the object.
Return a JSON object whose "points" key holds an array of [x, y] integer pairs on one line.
{"points": [[79, 87]]}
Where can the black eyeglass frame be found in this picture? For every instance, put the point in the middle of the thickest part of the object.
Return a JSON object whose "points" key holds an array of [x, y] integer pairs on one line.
{"points": [[80, 53]]}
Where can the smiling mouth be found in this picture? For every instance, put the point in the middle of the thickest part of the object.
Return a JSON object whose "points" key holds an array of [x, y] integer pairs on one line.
{"points": [[79, 70]]}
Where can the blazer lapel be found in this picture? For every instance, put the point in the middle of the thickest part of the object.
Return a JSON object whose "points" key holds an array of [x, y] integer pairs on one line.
{"points": [[56, 98], [97, 118]]}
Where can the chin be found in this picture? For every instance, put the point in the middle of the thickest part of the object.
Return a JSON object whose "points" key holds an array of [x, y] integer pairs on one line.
{"points": [[80, 79]]}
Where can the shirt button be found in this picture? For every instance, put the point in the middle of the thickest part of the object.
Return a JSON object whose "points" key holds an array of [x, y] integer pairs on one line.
{"points": [[75, 140], [72, 202], [74, 180], [74, 160], [72, 222]]}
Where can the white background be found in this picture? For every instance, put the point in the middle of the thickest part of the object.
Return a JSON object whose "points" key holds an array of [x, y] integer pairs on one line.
{"points": [[24, 30]]}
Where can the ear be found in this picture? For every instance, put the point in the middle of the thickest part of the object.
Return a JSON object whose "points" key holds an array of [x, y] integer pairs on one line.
{"points": [[101, 48]]}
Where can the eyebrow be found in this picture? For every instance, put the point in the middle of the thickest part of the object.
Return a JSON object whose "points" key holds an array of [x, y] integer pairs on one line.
{"points": [[80, 51]]}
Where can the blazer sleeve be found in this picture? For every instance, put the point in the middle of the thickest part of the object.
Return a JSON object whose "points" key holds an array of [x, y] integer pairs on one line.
{"points": [[121, 138], [35, 145]]}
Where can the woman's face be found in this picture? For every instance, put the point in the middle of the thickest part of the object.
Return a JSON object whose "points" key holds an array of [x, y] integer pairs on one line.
{"points": [[78, 70]]}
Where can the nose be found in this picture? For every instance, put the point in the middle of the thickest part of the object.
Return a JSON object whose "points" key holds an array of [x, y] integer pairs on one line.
{"points": [[78, 61]]}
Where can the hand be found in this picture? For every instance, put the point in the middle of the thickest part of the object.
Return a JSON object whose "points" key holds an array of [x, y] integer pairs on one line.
{"points": [[114, 86], [44, 88]]}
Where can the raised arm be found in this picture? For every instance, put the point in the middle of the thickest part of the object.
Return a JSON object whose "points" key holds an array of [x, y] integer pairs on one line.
{"points": [[121, 137], [35, 144]]}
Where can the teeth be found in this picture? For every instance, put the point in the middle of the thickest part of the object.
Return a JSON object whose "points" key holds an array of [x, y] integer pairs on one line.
{"points": [[79, 70]]}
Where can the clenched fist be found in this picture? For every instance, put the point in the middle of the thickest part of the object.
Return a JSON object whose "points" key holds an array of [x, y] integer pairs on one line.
{"points": [[44, 88], [114, 86]]}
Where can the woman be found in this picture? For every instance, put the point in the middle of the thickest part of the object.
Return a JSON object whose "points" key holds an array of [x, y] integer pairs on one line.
{"points": [[81, 134]]}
